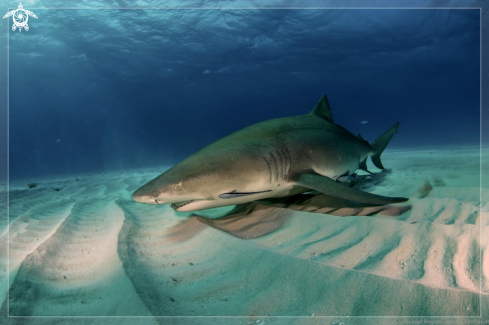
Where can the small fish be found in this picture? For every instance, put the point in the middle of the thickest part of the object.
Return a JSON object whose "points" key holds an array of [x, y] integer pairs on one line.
{"points": [[206, 71], [58, 141], [363, 122]]}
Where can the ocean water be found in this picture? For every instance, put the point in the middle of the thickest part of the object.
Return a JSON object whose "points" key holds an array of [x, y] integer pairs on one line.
{"points": [[104, 97], [101, 90]]}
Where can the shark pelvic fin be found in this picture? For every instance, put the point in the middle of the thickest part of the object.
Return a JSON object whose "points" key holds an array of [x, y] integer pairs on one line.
{"points": [[328, 186], [323, 110]]}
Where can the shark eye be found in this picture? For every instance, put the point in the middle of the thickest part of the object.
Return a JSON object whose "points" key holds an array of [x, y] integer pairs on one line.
{"points": [[177, 187]]}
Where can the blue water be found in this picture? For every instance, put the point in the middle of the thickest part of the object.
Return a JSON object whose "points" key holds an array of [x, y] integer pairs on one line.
{"points": [[101, 90]]}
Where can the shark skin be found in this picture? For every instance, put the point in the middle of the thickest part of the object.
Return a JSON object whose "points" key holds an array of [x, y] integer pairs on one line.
{"points": [[271, 159]]}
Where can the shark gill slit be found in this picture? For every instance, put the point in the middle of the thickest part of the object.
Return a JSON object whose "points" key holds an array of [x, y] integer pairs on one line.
{"points": [[272, 163], [269, 169], [287, 161], [284, 171], [280, 166], [276, 166]]}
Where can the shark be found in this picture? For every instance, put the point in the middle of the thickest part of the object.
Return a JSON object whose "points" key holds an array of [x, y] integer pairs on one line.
{"points": [[272, 159]]}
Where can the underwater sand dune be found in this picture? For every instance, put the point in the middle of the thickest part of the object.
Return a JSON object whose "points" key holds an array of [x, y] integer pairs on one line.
{"points": [[82, 247], [415, 249], [69, 258], [27, 233]]}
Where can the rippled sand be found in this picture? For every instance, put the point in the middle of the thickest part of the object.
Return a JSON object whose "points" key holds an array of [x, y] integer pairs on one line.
{"points": [[79, 246]]}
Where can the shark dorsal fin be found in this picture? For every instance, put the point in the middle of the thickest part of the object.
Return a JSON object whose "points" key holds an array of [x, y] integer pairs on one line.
{"points": [[323, 110]]}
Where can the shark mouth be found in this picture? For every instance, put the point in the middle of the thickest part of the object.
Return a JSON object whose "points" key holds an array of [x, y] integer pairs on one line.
{"points": [[178, 205]]}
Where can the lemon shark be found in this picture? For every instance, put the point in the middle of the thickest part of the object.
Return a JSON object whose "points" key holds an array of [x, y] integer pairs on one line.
{"points": [[272, 159]]}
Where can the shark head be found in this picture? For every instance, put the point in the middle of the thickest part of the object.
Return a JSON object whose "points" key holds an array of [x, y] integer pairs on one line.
{"points": [[205, 181]]}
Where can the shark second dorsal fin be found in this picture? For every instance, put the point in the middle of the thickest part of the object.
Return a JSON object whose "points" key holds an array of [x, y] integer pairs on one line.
{"points": [[365, 141], [323, 110]]}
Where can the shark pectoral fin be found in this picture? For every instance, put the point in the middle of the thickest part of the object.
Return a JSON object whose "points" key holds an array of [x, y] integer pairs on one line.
{"points": [[328, 186], [234, 194]]}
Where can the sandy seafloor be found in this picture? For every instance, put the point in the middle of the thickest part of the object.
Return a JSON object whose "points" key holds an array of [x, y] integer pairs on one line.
{"points": [[79, 246]]}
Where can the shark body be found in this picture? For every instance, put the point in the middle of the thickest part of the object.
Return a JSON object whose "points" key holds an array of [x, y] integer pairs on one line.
{"points": [[271, 159]]}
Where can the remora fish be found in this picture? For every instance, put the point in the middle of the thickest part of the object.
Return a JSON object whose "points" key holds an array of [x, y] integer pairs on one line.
{"points": [[271, 159]]}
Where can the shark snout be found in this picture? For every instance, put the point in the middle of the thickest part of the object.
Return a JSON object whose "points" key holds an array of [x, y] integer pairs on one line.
{"points": [[145, 194], [148, 199], [150, 196]]}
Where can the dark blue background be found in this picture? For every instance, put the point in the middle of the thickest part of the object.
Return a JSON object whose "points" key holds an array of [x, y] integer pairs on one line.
{"points": [[127, 88]]}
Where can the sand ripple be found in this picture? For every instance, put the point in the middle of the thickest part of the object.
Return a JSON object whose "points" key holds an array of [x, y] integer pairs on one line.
{"points": [[80, 246]]}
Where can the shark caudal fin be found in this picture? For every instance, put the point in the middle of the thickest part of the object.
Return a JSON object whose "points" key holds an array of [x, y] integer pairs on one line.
{"points": [[379, 145]]}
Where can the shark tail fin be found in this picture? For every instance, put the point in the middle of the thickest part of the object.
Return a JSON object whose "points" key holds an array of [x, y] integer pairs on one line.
{"points": [[380, 143]]}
